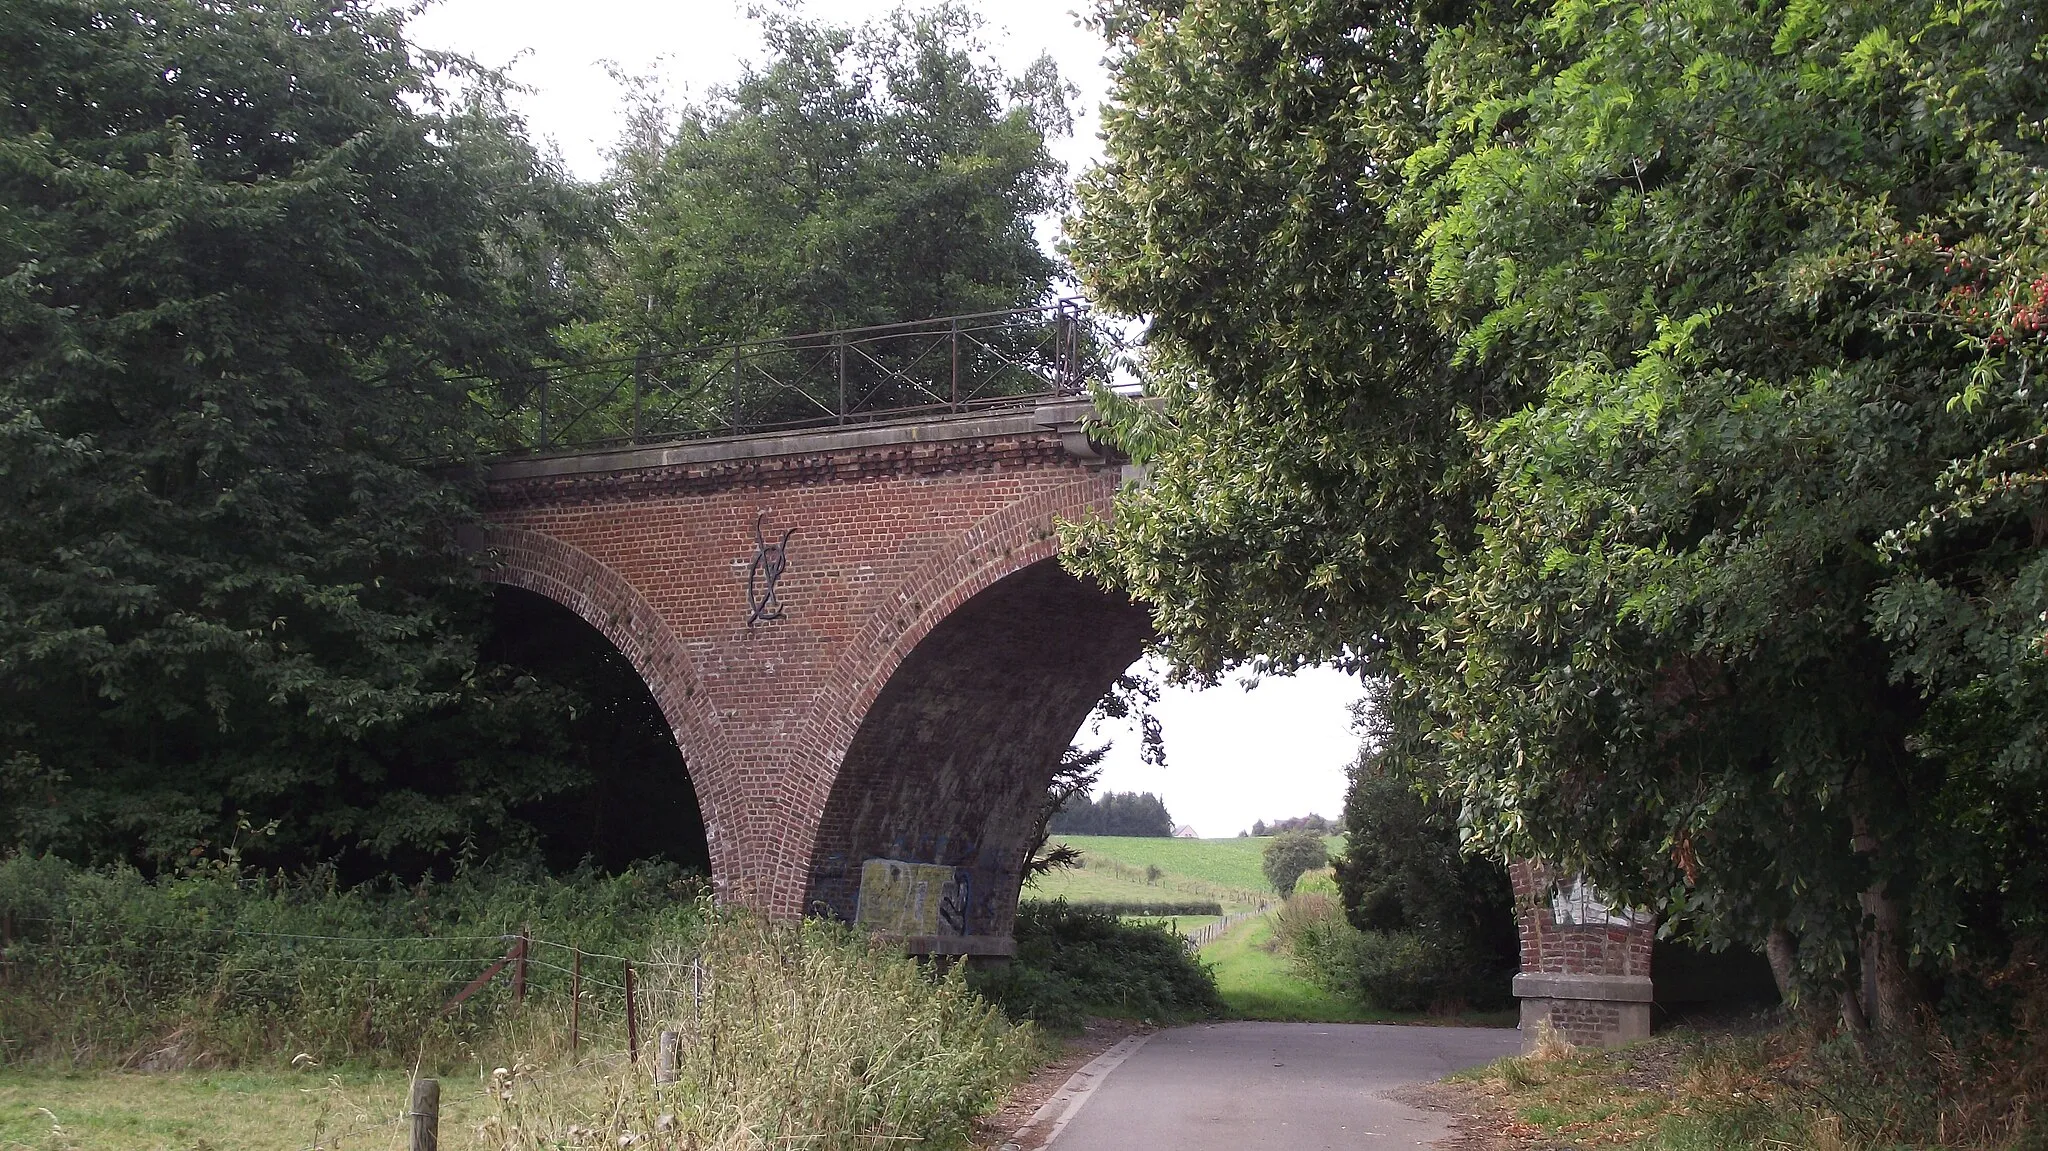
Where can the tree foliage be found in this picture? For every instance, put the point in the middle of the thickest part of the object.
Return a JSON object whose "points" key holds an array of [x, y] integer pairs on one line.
{"points": [[858, 176], [1310, 822], [1643, 395], [1113, 813], [248, 249], [1403, 869]]}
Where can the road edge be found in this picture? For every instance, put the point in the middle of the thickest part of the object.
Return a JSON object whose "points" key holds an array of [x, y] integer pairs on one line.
{"points": [[1068, 1100]]}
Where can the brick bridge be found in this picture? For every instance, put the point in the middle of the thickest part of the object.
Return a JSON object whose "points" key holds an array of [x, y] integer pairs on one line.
{"points": [[870, 734]]}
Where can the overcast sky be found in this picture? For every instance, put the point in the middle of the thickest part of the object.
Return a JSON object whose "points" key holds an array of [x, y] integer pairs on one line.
{"points": [[1278, 750]]}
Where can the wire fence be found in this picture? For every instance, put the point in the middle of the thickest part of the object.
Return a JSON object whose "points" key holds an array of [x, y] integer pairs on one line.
{"points": [[1208, 933], [391, 991]]}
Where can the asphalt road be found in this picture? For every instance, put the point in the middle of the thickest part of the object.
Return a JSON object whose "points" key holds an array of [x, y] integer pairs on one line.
{"points": [[1298, 1086]]}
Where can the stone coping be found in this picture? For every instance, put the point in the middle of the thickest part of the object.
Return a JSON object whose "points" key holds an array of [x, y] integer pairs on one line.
{"points": [[1062, 416], [1601, 988]]}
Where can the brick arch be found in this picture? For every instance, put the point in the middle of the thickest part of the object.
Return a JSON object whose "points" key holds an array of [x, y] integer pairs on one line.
{"points": [[957, 697], [604, 599]]}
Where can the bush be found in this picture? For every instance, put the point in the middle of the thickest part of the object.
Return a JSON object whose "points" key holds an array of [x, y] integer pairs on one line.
{"points": [[1154, 910], [1390, 970], [215, 966], [1074, 961], [805, 1035]]}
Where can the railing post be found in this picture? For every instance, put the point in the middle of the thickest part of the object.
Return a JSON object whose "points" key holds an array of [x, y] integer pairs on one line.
{"points": [[639, 387], [839, 344], [1067, 358], [543, 412], [955, 326]]}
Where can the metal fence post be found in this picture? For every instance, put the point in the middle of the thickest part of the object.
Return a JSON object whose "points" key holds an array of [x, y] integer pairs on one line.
{"points": [[955, 336], [839, 345], [575, 1001], [632, 1019]]}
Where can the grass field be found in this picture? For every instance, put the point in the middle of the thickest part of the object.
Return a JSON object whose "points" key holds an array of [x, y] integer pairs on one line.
{"points": [[1113, 869], [219, 1111], [1231, 863], [1096, 885], [1256, 981]]}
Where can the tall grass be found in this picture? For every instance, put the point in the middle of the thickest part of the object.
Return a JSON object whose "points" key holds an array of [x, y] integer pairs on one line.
{"points": [[799, 1036], [218, 967]]}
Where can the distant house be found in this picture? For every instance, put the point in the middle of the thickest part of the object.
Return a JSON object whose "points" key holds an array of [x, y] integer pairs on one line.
{"points": [[1184, 831]]}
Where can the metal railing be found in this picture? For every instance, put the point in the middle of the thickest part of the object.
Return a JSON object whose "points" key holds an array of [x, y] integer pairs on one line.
{"points": [[950, 365]]}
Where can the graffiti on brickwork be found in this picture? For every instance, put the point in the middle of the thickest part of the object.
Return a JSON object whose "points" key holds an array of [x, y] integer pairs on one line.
{"points": [[899, 898], [1580, 904], [770, 561]]}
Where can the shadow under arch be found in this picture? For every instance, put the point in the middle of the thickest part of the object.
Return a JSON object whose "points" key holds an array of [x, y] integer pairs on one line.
{"points": [[603, 600], [638, 801], [952, 758]]}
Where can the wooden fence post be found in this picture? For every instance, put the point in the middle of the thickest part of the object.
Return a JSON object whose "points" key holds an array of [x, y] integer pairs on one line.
{"points": [[632, 1019], [519, 966], [575, 1000], [425, 1109], [665, 1059]]}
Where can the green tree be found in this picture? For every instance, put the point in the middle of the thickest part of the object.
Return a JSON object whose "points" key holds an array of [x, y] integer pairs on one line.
{"points": [[1291, 855], [248, 246], [1594, 375], [857, 177], [1403, 869]]}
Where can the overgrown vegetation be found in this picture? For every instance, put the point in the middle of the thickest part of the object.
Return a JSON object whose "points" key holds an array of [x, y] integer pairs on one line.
{"points": [[1770, 1088], [216, 966], [1393, 970], [1072, 962], [1424, 925], [807, 1035]]}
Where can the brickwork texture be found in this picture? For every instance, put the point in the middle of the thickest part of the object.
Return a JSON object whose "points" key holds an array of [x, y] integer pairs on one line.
{"points": [[932, 661]]}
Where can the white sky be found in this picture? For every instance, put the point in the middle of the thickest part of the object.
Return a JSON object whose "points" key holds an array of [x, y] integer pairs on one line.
{"points": [[1234, 756]]}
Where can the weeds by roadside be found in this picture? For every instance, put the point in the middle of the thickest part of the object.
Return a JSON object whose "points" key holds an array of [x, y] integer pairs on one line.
{"points": [[1761, 1087], [803, 1035]]}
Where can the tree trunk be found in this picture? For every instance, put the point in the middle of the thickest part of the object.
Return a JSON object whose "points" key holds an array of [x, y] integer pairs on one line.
{"points": [[1783, 952], [1894, 999], [1854, 1021], [1890, 999]]}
